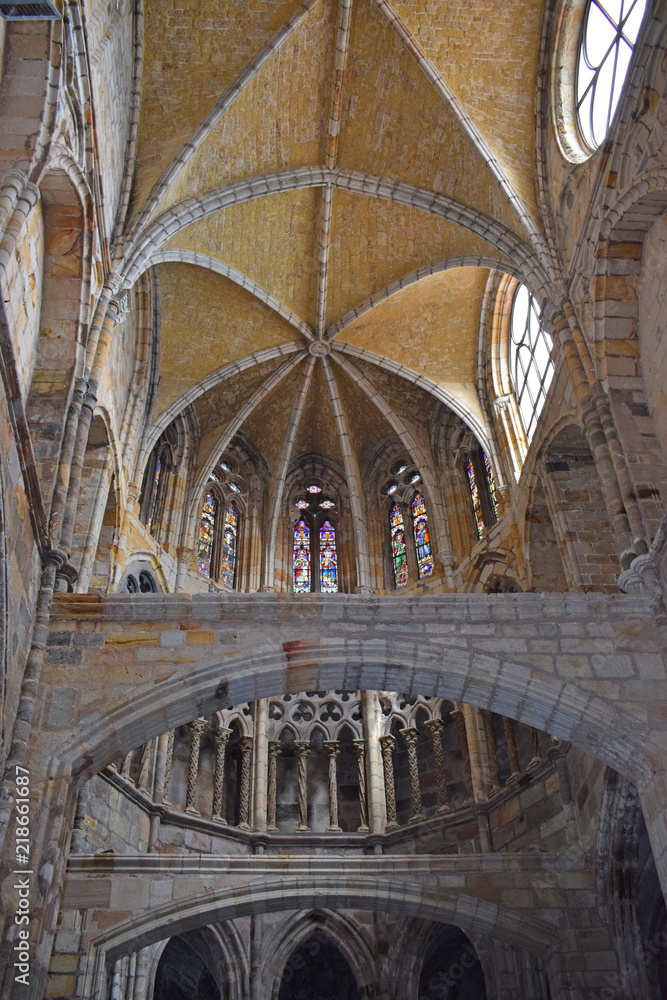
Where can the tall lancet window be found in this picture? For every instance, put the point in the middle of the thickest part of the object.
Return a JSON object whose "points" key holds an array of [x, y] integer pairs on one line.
{"points": [[207, 533], [301, 558], [156, 490], [422, 537], [474, 496], [399, 552], [328, 559], [491, 483], [229, 545]]}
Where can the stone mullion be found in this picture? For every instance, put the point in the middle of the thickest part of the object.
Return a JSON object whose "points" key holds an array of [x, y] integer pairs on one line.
{"points": [[360, 751], [196, 728], [459, 721], [410, 738], [388, 743], [272, 782], [220, 738], [302, 748], [245, 746], [478, 751], [512, 750], [487, 716], [435, 729], [332, 750]]}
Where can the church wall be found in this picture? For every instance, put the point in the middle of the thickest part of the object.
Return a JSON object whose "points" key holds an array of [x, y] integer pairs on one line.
{"points": [[118, 370], [652, 292], [111, 821], [22, 294]]}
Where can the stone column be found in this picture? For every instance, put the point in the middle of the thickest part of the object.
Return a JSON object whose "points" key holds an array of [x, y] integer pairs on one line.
{"points": [[160, 767], [387, 744], [332, 750], [145, 765], [435, 728], [169, 757], [302, 748], [493, 751], [196, 727], [360, 750], [272, 780], [376, 795], [512, 751], [221, 738], [261, 763], [245, 746], [141, 976], [535, 753], [410, 738], [457, 716]]}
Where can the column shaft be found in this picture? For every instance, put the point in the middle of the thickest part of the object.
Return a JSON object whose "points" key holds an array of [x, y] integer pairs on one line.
{"points": [[387, 743], [272, 782], [360, 750], [302, 748], [332, 750], [410, 738], [435, 728], [196, 727], [245, 746], [221, 738]]}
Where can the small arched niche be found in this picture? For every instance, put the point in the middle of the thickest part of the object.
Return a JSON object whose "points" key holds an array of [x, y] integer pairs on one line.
{"points": [[316, 968]]}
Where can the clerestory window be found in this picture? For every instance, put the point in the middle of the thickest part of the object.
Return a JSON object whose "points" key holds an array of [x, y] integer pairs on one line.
{"points": [[531, 367], [607, 41]]}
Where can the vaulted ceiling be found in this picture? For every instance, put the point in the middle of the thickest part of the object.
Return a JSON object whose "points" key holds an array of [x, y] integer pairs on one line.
{"points": [[333, 179]]}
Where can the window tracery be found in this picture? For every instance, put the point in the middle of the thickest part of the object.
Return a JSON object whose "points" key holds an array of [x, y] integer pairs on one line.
{"points": [[328, 559], [206, 532], [301, 568], [229, 545], [531, 367], [608, 37], [315, 542]]}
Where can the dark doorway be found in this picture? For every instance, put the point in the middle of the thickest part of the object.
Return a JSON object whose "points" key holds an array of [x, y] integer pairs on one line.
{"points": [[317, 969], [451, 968]]}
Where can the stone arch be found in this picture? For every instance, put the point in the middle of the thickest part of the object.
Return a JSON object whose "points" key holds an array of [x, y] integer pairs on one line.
{"points": [[340, 931], [97, 522], [289, 893], [497, 681]]}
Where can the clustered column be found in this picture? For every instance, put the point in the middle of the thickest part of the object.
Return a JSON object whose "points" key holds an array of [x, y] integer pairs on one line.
{"points": [[302, 748], [435, 728], [196, 728], [360, 750], [245, 746], [387, 744], [220, 738], [271, 792], [332, 750], [410, 738]]}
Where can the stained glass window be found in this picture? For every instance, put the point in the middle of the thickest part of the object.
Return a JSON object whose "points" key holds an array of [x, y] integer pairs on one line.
{"points": [[313, 489], [608, 38], [476, 505], [422, 537], [399, 553], [327, 504], [301, 558], [226, 466], [229, 545], [302, 504], [154, 494], [491, 483], [531, 367], [390, 487], [328, 559], [412, 477], [213, 478], [235, 487], [206, 532]]}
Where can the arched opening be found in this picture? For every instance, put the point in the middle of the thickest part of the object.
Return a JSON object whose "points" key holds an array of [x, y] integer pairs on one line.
{"points": [[318, 969], [451, 969], [183, 973]]}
